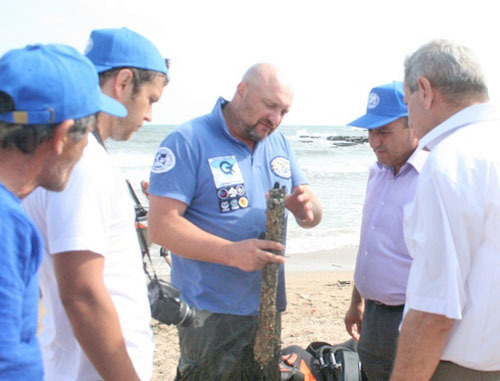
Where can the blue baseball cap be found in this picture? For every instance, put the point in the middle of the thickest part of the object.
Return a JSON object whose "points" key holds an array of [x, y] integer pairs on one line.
{"points": [[113, 48], [49, 84], [385, 105]]}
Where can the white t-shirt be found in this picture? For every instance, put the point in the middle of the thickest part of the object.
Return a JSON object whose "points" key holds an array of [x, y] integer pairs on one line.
{"points": [[94, 212], [453, 233]]}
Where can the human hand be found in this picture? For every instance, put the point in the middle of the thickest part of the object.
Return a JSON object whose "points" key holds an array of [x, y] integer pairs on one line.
{"points": [[253, 254], [353, 319], [301, 203], [145, 187]]}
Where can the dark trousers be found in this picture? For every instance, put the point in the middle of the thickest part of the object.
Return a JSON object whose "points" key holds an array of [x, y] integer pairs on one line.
{"points": [[448, 371], [221, 349], [378, 340]]}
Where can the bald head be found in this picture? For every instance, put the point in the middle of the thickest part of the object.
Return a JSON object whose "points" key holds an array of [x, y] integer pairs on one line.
{"points": [[267, 78], [262, 99]]}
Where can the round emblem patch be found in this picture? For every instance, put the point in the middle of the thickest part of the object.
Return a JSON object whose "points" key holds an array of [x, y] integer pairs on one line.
{"points": [[373, 100], [222, 194], [164, 160], [280, 166], [240, 189]]}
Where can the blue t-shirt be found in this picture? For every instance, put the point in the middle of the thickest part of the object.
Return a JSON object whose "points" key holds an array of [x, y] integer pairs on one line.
{"points": [[20, 257], [224, 185]]}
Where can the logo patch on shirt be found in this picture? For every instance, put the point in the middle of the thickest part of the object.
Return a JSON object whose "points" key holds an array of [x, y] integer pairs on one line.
{"points": [[225, 171], [164, 160], [224, 207], [280, 166], [228, 181], [233, 197]]}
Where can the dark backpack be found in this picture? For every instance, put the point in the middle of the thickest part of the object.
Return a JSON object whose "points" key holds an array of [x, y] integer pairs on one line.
{"points": [[297, 364], [337, 362], [320, 362]]}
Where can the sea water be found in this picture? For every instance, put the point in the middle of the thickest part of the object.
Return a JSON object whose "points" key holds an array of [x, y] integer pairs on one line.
{"points": [[336, 171]]}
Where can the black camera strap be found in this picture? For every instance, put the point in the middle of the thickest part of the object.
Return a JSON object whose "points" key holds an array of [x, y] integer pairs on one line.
{"points": [[140, 211]]}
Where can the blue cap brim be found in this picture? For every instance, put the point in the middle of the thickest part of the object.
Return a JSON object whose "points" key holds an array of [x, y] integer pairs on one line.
{"points": [[101, 68], [112, 106], [371, 121]]}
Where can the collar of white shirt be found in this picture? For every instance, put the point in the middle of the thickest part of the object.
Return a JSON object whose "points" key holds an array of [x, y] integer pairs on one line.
{"points": [[475, 113], [417, 159]]}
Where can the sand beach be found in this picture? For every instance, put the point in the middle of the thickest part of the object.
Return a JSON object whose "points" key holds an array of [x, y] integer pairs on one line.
{"points": [[319, 287]]}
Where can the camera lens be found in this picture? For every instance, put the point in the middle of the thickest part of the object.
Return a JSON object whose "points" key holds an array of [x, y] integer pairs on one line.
{"points": [[187, 315], [166, 307]]}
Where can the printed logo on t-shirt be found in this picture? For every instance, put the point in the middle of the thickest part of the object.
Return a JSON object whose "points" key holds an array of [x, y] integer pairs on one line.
{"points": [[228, 180], [164, 160], [280, 166]]}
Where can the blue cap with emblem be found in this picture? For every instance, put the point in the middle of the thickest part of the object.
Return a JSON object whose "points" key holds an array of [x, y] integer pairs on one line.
{"points": [[114, 48], [45, 84], [385, 105]]}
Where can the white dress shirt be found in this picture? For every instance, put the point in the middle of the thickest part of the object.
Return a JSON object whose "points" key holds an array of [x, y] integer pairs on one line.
{"points": [[452, 231]]}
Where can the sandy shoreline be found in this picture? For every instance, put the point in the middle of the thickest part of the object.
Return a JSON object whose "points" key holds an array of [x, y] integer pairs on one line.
{"points": [[343, 259], [319, 287]]}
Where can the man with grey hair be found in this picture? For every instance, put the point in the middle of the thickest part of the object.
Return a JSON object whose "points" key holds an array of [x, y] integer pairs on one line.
{"points": [[207, 205], [451, 330]]}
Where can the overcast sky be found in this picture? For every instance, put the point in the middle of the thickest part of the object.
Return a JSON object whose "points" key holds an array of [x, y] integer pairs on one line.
{"points": [[334, 51]]}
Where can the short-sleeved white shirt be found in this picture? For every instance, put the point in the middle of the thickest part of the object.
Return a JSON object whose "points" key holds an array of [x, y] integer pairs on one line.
{"points": [[452, 230], [95, 213]]}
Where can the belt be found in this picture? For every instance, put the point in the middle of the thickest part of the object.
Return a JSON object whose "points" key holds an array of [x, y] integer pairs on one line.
{"points": [[399, 307], [447, 370]]}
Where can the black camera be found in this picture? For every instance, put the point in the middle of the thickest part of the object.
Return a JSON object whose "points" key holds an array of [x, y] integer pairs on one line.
{"points": [[166, 307]]}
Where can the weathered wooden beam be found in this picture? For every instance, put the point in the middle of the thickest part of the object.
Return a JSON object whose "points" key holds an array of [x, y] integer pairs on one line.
{"points": [[268, 336]]}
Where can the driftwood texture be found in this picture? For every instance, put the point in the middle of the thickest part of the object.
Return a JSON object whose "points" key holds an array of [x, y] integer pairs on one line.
{"points": [[267, 339]]}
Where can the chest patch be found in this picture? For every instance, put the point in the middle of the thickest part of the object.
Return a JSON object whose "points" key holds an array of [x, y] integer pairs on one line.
{"points": [[280, 166], [228, 180], [225, 171], [164, 160]]}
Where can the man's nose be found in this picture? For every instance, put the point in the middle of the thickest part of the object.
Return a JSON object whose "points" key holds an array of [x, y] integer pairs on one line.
{"points": [[275, 118], [148, 116], [374, 139]]}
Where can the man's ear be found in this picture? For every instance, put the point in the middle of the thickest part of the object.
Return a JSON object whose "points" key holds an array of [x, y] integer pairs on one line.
{"points": [[123, 84], [61, 136], [241, 89], [426, 92]]}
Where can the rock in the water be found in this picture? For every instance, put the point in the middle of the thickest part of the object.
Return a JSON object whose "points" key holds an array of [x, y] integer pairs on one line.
{"points": [[351, 139]]}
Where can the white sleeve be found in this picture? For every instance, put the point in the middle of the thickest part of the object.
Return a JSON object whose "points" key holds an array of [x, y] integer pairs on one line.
{"points": [[442, 232]]}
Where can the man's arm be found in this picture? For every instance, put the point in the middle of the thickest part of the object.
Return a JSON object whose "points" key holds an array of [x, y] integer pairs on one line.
{"points": [[421, 342], [305, 206], [354, 315], [92, 313], [168, 227]]}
